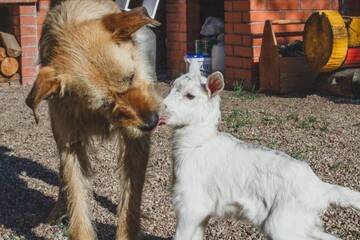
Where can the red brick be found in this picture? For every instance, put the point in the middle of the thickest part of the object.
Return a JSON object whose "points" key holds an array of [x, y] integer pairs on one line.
{"points": [[27, 9], [246, 40], [29, 51], [28, 20], [176, 36], [229, 50], [258, 4], [41, 17], [242, 28], [229, 72], [228, 6], [241, 5], [281, 4], [301, 15], [44, 4], [28, 61], [232, 39], [233, 17], [28, 41], [243, 74], [28, 30], [243, 51], [229, 28], [256, 16], [28, 71], [311, 4]]}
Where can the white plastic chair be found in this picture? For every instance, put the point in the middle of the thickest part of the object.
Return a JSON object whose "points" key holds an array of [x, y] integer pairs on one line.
{"points": [[124, 4], [150, 5]]}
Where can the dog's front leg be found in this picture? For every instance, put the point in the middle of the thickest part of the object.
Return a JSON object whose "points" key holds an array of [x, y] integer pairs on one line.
{"points": [[190, 224], [132, 167], [75, 169]]}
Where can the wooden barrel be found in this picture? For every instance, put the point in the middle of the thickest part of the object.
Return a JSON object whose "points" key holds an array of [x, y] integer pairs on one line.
{"points": [[325, 41], [353, 28]]}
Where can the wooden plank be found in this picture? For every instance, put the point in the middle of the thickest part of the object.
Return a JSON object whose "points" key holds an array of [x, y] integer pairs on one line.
{"points": [[4, 79], [296, 75], [269, 61], [287, 22], [11, 45], [15, 77]]}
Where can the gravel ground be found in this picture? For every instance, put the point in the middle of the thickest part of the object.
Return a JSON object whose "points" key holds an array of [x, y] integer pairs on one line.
{"points": [[318, 129]]}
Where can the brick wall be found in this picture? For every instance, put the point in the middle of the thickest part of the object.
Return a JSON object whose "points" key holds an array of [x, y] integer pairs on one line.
{"points": [[24, 20], [176, 31], [244, 21]]}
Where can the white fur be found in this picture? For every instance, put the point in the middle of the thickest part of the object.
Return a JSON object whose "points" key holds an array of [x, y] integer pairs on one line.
{"points": [[219, 175]]}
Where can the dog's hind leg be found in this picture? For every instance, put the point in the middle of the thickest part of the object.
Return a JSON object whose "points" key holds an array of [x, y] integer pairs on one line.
{"points": [[132, 167], [75, 169]]}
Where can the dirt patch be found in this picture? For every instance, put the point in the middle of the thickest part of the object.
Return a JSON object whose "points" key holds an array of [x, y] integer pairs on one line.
{"points": [[318, 130]]}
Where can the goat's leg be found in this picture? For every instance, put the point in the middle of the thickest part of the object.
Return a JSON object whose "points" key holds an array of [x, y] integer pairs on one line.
{"points": [[75, 169], [132, 167]]}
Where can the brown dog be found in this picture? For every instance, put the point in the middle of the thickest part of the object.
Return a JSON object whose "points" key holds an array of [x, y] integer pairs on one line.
{"points": [[97, 84]]}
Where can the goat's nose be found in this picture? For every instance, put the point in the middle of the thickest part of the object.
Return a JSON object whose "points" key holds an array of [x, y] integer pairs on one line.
{"points": [[151, 123]]}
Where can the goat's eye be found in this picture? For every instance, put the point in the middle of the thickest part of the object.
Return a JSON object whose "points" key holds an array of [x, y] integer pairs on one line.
{"points": [[189, 96]]}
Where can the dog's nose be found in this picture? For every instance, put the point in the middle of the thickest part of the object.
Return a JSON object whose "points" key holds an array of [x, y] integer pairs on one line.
{"points": [[151, 123]]}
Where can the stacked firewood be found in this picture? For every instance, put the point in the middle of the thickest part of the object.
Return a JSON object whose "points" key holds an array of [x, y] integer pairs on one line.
{"points": [[9, 51]]}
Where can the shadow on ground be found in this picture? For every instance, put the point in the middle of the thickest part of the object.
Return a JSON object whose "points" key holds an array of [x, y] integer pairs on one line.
{"points": [[23, 208]]}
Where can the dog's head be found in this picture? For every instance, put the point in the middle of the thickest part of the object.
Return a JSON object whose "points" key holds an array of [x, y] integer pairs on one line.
{"points": [[97, 64], [193, 99]]}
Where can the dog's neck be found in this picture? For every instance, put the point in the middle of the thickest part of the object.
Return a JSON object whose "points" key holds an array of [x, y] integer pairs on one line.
{"points": [[194, 135]]}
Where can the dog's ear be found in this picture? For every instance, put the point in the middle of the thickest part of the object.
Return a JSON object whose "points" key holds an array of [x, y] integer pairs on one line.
{"points": [[124, 24], [215, 84], [46, 85]]}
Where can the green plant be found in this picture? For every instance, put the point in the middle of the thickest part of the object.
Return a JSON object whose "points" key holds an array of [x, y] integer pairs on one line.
{"points": [[297, 154], [239, 90], [308, 122], [239, 118], [270, 119], [294, 116], [336, 165]]}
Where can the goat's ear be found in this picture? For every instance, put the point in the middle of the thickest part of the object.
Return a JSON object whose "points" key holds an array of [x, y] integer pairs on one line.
{"points": [[215, 84], [124, 24], [46, 85]]}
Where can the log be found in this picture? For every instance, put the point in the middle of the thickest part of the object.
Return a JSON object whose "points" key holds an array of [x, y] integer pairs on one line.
{"points": [[325, 40], [344, 83], [11, 45], [2, 53], [9, 66], [4, 79], [15, 77]]}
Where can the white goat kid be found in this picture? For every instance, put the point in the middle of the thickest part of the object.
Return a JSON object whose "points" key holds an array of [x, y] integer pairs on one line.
{"points": [[219, 175]]}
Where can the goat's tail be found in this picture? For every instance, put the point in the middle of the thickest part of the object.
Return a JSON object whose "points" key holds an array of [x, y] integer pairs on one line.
{"points": [[343, 196]]}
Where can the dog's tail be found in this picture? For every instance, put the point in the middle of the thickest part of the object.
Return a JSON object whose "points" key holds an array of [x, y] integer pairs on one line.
{"points": [[343, 196]]}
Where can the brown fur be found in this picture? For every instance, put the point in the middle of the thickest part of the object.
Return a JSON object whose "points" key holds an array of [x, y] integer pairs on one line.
{"points": [[96, 84]]}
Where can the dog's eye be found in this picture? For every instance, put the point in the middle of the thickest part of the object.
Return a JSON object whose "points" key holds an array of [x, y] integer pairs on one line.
{"points": [[189, 96], [130, 78]]}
